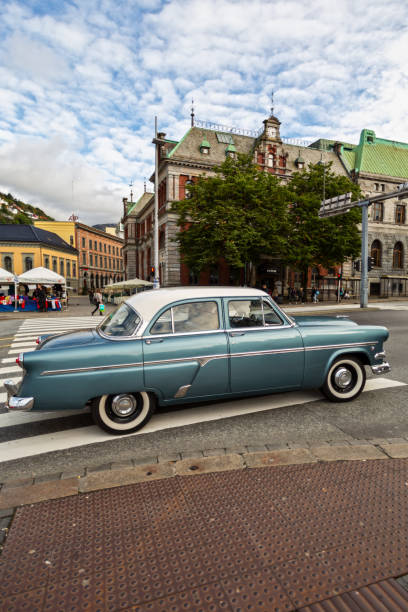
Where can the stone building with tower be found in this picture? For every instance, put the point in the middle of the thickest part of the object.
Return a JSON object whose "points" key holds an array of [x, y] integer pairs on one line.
{"points": [[377, 165]]}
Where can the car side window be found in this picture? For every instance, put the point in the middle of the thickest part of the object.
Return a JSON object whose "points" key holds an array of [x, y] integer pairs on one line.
{"points": [[271, 317], [252, 313], [163, 325], [196, 316], [189, 317], [245, 313]]}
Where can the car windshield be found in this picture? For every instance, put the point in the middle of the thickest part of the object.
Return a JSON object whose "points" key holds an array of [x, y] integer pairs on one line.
{"points": [[121, 322]]}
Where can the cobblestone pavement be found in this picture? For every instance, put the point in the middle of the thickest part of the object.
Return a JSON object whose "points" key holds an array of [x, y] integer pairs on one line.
{"points": [[274, 530]]}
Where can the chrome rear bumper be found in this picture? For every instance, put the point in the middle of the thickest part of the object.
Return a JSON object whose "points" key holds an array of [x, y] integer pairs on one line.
{"points": [[13, 401]]}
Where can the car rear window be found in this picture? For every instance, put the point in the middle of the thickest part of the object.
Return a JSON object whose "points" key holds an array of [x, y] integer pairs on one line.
{"points": [[121, 322]]}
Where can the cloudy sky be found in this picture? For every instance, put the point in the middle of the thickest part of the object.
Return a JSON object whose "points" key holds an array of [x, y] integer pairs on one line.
{"points": [[82, 80]]}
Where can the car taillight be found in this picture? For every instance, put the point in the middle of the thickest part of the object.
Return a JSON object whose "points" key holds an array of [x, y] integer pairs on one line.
{"points": [[20, 360]]}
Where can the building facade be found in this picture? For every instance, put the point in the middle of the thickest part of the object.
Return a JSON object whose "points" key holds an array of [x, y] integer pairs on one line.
{"points": [[100, 254], [23, 247], [377, 165]]}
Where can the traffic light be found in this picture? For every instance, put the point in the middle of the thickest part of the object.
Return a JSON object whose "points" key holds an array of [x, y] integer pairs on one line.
{"points": [[339, 275], [370, 263], [356, 265], [152, 271]]}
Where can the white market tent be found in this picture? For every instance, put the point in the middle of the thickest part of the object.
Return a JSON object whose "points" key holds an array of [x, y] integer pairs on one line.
{"points": [[41, 276], [120, 286], [9, 277], [128, 284]]}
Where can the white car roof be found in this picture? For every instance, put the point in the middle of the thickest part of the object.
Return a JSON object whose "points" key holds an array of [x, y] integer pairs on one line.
{"points": [[147, 303]]}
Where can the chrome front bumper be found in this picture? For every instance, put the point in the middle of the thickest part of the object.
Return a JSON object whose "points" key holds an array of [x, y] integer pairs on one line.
{"points": [[382, 368], [13, 401]]}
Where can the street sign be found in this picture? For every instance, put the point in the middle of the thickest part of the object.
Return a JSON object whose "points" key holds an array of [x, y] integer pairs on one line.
{"points": [[335, 206]]}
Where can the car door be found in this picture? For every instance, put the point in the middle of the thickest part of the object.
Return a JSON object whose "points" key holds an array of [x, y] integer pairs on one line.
{"points": [[185, 351], [266, 351]]}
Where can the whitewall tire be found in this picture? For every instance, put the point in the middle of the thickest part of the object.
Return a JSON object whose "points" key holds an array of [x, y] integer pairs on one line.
{"points": [[124, 412], [345, 379]]}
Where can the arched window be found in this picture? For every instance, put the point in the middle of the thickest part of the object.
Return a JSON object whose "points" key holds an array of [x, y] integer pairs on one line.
{"points": [[398, 255], [8, 263], [28, 262], [376, 253]]}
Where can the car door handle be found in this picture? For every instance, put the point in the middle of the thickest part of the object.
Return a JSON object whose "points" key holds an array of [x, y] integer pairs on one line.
{"points": [[237, 333], [154, 341]]}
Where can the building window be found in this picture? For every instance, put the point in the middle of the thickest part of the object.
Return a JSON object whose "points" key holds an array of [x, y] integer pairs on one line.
{"points": [[377, 186], [90, 259], [62, 267], [100, 261], [100, 246], [376, 253], [54, 264], [47, 262], [83, 243], [400, 214], [378, 211], [74, 269], [90, 244], [28, 263], [104, 246], [84, 258], [68, 268], [398, 255], [109, 248], [8, 263], [105, 262], [382, 187], [71, 240], [95, 246]]}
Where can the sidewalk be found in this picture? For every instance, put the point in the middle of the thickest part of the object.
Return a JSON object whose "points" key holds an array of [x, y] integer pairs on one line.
{"points": [[278, 530]]}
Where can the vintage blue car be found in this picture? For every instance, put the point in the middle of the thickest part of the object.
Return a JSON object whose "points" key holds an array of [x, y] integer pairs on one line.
{"points": [[191, 344]]}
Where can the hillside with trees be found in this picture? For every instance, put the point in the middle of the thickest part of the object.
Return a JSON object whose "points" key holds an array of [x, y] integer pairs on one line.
{"points": [[13, 210]]}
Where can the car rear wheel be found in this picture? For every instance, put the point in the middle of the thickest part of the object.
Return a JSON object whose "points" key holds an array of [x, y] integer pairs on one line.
{"points": [[345, 380], [123, 413]]}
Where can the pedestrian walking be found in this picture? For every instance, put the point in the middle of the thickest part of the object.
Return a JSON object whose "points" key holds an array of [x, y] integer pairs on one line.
{"points": [[97, 297], [91, 297]]}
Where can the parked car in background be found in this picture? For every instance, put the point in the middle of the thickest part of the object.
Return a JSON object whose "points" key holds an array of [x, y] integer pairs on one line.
{"points": [[191, 344]]}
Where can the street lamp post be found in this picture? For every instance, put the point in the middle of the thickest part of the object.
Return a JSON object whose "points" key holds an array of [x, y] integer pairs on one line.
{"points": [[158, 142]]}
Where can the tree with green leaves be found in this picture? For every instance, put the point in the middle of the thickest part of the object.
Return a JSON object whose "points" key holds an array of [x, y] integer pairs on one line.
{"points": [[239, 214], [312, 240]]}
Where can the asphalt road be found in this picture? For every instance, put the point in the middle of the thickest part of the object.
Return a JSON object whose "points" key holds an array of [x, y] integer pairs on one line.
{"points": [[375, 414]]}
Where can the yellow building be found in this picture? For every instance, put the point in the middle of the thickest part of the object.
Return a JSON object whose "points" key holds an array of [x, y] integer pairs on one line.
{"points": [[64, 229], [23, 247]]}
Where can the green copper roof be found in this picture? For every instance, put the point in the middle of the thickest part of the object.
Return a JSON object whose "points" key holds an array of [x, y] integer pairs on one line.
{"points": [[231, 148], [178, 144], [377, 156], [205, 144]]}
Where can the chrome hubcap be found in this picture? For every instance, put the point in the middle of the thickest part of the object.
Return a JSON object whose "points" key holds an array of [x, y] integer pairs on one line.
{"points": [[343, 378], [123, 405]]}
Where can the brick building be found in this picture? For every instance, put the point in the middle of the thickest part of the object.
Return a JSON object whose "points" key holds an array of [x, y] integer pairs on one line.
{"points": [[377, 165], [100, 254]]}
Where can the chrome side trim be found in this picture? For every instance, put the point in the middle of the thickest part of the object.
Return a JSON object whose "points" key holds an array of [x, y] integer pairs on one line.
{"points": [[181, 391], [91, 369], [380, 355], [335, 346], [204, 359]]}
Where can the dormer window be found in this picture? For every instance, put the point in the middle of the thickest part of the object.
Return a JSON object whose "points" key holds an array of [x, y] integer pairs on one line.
{"points": [[231, 151], [205, 147], [299, 162]]}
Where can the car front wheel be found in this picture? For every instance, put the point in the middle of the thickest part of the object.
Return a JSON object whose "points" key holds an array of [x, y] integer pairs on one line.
{"points": [[123, 413], [345, 380]]}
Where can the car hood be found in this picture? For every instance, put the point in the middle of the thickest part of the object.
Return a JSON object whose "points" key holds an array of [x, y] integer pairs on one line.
{"points": [[69, 339], [341, 321]]}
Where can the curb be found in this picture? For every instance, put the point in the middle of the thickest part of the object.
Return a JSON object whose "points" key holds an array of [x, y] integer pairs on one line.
{"points": [[22, 492]]}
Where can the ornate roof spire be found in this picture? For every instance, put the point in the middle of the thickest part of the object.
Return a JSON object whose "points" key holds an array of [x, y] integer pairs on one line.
{"points": [[192, 112], [272, 108]]}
